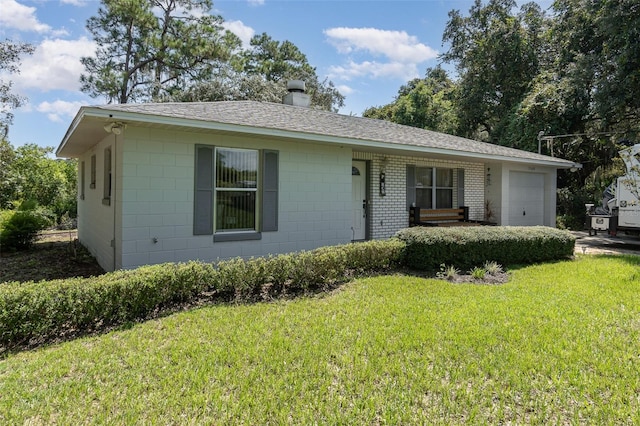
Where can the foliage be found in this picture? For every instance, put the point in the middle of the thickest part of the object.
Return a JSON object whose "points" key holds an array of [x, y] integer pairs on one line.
{"points": [[10, 53], [558, 345], [478, 272], [492, 268], [19, 228], [150, 48], [496, 54], [29, 173], [469, 246], [427, 103], [260, 73], [447, 272], [46, 310]]}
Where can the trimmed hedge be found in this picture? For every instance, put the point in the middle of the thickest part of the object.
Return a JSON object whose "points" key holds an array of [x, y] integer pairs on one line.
{"points": [[32, 313], [466, 247]]}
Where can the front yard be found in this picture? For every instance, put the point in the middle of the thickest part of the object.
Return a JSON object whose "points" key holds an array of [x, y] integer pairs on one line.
{"points": [[559, 343]]}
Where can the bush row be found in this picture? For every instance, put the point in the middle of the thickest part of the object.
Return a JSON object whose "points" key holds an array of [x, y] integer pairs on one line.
{"points": [[32, 312], [466, 247]]}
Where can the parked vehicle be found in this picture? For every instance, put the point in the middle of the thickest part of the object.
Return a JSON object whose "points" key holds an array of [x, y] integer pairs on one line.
{"points": [[620, 208]]}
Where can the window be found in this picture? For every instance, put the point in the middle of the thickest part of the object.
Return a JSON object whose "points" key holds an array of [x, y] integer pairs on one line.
{"points": [[236, 192], [106, 198], [82, 180], [93, 172], [430, 187], [236, 186]]}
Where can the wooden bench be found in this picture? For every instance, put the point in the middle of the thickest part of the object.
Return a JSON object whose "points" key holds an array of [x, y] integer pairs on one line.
{"points": [[441, 217]]}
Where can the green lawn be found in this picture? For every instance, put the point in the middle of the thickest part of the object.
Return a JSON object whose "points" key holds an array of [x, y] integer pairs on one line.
{"points": [[559, 343]]}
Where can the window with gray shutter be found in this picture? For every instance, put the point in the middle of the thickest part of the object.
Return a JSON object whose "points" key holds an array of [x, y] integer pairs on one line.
{"points": [[226, 182], [460, 187], [411, 185], [270, 191], [203, 198]]}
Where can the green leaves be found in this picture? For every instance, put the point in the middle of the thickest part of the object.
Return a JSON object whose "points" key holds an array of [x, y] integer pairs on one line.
{"points": [[467, 247], [31, 312]]}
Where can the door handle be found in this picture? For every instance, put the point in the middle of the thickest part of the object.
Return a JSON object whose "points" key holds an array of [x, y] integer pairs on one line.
{"points": [[364, 208]]}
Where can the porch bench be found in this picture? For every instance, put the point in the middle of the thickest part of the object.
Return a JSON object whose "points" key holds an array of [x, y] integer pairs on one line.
{"points": [[441, 217]]}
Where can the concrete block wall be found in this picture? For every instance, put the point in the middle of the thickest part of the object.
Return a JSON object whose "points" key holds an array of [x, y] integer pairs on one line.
{"points": [[157, 197], [95, 219], [389, 213]]}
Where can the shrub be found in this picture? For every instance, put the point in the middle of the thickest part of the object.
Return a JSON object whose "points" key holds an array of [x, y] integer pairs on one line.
{"points": [[19, 228], [478, 273], [466, 247], [36, 312]]}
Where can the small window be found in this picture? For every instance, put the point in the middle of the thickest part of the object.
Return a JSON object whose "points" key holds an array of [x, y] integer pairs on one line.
{"points": [[92, 185], [434, 188], [82, 180], [106, 199]]}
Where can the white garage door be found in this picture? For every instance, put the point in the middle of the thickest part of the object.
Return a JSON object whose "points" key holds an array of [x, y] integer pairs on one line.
{"points": [[526, 199]]}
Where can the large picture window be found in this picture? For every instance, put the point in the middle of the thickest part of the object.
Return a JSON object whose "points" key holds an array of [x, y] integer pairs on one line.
{"points": [[430, 187]]}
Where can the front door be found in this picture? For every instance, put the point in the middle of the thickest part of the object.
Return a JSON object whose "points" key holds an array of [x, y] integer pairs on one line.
{"points": [[359, 200]]}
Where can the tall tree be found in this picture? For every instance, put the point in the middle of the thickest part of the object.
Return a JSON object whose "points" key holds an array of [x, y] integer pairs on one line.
{"points": [[147, 48], [261, 73], [29, 173], [496, 54], [428, 103], [10, 53]]}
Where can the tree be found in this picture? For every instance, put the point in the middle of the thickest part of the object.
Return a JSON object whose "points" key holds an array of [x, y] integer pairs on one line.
{"points": [[10, 53], [427, 103], [496, 54], [30, 174], [261, 73], [149, 48]]}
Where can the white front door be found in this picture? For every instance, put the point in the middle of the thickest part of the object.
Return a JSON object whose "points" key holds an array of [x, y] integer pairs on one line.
{"points": [[359, 200]]}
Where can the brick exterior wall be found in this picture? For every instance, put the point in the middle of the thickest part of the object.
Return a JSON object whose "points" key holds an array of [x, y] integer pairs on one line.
{"points": [[388, 214]]}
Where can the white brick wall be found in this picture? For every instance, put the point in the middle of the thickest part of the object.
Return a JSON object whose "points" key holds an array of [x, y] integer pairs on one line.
{"points": [[389, 214]]}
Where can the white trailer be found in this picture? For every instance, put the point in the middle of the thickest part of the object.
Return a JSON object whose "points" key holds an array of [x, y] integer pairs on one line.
{"points": [[620, 209]]}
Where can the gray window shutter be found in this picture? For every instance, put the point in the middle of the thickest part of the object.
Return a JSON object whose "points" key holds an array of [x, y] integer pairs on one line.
{"points": [[269, 191], [460, 187], [203, 194], [411, 185]]}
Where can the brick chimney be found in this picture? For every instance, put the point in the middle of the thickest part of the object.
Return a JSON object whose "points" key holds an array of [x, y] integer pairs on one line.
{"points": [[296, 95]]}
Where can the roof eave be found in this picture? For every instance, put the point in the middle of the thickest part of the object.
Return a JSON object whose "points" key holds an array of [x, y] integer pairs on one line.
{"points": [[96, 112]]}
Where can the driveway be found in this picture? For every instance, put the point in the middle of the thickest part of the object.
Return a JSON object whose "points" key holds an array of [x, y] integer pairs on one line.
{"points": [[603, 243]]}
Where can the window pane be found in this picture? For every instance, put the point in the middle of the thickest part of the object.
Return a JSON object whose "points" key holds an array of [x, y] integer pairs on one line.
{"points": [[424, 177], [444, 198], [444, 178], [235, 210], [236, 168], [423, 198]]}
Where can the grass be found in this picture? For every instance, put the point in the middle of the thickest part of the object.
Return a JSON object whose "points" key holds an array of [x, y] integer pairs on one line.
{"points": [[560, 343]]}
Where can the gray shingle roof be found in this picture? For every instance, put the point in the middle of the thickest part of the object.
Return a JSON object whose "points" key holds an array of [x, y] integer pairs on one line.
{"points": [[289, 118]]}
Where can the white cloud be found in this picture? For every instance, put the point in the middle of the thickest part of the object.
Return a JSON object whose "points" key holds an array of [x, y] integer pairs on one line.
{"points": [[75, 2], [55, 65], [353, 70], [344, 89], [20, 17], [57, 110], [255, 2], [400, 52], [241, 30]]}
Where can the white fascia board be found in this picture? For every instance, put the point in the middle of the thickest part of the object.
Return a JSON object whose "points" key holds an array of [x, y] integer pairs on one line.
{"points": [[313, 137], [72, 128]]}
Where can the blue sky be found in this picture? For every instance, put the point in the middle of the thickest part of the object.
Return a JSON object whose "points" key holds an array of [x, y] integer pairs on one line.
{"points": [[367, 48]]}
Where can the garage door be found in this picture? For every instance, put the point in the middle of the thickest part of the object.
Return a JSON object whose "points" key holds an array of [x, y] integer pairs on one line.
{"points": [[526, 199]]}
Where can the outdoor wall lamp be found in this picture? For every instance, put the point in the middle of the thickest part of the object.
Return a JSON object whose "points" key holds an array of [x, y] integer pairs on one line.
{"points": [[115, 127]]}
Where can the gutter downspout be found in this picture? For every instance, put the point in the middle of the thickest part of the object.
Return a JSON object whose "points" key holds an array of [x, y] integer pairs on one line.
{"points": [[114, 174]]}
